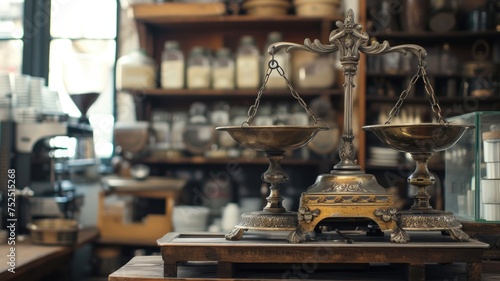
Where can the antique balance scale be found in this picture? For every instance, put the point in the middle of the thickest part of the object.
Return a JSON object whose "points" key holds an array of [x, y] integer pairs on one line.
{"points": [[347, 192]]}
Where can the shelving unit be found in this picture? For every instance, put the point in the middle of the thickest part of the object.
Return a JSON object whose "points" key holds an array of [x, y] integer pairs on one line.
{"points": [[451, 85], [229, 94], [214, 32]]}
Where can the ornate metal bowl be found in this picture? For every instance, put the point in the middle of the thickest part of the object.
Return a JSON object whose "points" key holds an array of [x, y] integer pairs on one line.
{"points": [[417, 138], [272, 138]]}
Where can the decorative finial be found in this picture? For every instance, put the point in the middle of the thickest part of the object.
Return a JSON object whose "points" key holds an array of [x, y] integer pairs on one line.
{"points": [[350, 17]]}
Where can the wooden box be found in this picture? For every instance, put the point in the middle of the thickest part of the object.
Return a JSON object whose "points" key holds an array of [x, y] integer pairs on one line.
{"points": [[111, 220]]}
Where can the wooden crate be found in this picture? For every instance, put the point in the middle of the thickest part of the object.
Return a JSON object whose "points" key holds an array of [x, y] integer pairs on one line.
{"points": [[111, 222]]}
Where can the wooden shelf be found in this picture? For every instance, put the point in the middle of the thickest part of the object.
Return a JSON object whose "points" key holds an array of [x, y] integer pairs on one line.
{"points": [[236, 93], [153, 19], [424, 99], [410, 74], [223, 161], [163, 10], [438, 37]]}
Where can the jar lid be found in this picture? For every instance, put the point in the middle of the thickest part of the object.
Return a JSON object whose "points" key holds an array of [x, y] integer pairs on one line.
{"points": [[223, 52], [491, 135], [274, 36], [197, 50], [172, 44], [247, 40]]}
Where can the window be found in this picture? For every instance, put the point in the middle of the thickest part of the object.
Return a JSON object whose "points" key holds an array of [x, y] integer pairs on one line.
{"points": [[73, 45], [11, 33]]}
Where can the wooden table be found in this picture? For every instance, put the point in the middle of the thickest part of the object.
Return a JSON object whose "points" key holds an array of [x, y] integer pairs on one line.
{"points": [[35, 261], [150, 268], [489, 233], [257, 252]]}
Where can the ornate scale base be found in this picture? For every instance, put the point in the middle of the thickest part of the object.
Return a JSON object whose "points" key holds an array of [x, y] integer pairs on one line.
{"points": [[347, 192], [274, 141], [352, 195], [432, 220], [263, 220]]}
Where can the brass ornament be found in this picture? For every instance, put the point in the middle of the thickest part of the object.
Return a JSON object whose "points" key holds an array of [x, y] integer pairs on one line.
{"points": [[274, 141], [421, 140], [347, 192]]}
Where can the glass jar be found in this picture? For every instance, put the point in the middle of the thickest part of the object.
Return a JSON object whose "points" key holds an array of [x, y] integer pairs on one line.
{"points": [[317, 74], [283, 58], [447, 60], [198, 69], [223, 70], [135, 71], [172, 66], [247, 64]]}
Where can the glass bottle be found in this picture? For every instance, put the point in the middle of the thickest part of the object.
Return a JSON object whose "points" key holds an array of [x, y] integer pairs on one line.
{"points": [[172, 66], [283, 58], [447, 61], [223, 70], [135, 70], [198, 69], [247, 64]]}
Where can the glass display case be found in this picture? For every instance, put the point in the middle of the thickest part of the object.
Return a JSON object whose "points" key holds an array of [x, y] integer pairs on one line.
{"points": [[472, 173]]}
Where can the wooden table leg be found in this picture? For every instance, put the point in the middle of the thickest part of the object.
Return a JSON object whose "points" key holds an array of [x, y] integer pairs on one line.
{"points": [[416, 272], [170, 269], [474, 271], [225, 269]]}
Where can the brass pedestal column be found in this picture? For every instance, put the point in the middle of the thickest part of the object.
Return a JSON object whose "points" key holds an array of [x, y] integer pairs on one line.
{"points": [[421, 216], [274, 216]]}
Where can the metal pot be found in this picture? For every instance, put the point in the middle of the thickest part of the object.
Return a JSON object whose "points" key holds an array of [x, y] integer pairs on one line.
{"points": [[54, 231]]}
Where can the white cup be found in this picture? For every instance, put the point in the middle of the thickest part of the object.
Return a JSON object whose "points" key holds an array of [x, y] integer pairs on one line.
{"points": [[490, 191], [493, 170], [190, 218], [491, 212], [230, 216], [491, 146]]}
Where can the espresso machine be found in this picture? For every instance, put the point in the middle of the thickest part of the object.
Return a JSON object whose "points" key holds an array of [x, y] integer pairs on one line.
{"points": [[45, 166]]}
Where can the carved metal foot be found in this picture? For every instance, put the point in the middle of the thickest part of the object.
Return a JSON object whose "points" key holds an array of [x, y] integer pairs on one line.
{"points": [[296, 236], [235, 234], [458, 235], [399, 236]]}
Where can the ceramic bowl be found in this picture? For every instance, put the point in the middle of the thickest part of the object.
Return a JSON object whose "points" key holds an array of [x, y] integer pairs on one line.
{"points": [[190, 218], [267, 7]]}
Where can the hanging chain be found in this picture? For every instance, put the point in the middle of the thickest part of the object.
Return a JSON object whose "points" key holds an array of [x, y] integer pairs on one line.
{"points": [[273, 65], [397, 107], [432, 96], [421, 72]]}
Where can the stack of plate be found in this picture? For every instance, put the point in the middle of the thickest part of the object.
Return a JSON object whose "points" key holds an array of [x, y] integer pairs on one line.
{"points": [[490, 185], [21, 89], [5, 100], [35, 92], [50, 101], [383, 156], [26, 115]]}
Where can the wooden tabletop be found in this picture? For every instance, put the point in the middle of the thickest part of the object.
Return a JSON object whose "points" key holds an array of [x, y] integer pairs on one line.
{"points": [[329, 249], [150, 268], [39, 260]]}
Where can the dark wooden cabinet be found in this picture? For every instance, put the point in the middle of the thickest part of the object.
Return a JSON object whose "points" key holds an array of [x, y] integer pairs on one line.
{"points": [[462, 65], [214, 32]]}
